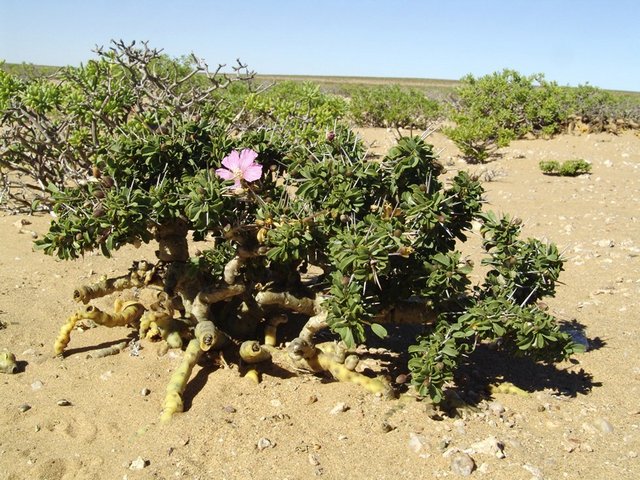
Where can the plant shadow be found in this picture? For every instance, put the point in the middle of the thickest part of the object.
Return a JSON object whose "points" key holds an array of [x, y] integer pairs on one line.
{"points": [[484, 367], [91, 348]]}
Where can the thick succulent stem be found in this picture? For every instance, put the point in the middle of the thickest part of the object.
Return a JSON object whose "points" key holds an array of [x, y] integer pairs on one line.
{"points": [[313, 359], [107, 351], [408, 312], [126, 314], [202, 301], [160, 325], [141, 274], [208, 335], [314, 325], [172, 241], [8, 362], [173, 402], [303, 305], [252, 352], [271, 329]]}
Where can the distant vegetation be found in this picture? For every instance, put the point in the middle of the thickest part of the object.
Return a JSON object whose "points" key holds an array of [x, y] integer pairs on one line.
{"points": [[568, 168], [479, 114]]}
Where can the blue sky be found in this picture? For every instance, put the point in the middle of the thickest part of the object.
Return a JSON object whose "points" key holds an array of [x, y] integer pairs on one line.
{"points": [[570, 41]]}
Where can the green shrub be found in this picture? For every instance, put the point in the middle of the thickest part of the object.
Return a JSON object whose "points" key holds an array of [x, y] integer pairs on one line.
{"points": [[491, 111], [568, 168], [392, 106]]}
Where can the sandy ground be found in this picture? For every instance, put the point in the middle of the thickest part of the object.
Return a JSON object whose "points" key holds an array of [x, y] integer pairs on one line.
{"points": [[579, 421]]}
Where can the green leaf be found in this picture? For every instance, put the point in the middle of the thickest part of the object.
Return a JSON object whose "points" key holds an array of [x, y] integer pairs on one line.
{"points": [[379, 330]]}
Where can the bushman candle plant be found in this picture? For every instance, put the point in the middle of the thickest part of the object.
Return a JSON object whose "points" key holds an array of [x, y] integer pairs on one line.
{"points": [[303, 229]]}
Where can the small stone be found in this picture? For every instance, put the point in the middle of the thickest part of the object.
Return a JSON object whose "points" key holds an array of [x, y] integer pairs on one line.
{"points": [[460, 426], [63, 402], [276, 403], [145, 392], [386, 427], [417, 443], [462, 464], [24, 407], [229, 409], [632, 454], [313, 459], [496, 408], [606, 243], [603, 425], [339, 408], [312, 399], [138, 464], [37, 385], [541, 408], [264, 443], [444, 444], [489, 446], [533, 470]]}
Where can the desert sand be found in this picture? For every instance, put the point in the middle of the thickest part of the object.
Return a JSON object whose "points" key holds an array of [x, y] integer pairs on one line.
{"points": [[83, 418]]}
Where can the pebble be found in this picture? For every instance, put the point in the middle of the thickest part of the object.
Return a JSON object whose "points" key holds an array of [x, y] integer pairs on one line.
{"points": [[339, 408], [605, 243], [144, 392], [37, 385], [462, 464], [533, 470], [386, 427], [264, 443], [312, 399], [229, 409], [496, 408], [24, 407], [313, 459], [138, 464], [276, 403], [417, 443], [603, 425], [460, 426], [489, 446], [63, 402]]}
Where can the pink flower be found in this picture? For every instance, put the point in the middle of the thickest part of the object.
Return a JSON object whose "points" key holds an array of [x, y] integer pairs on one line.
{"points": [[240, 166]]}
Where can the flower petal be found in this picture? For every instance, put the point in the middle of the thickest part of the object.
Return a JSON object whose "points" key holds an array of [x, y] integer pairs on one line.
{"points": [[232, 161], [252, 172], [224, 173], [247, 157]]}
